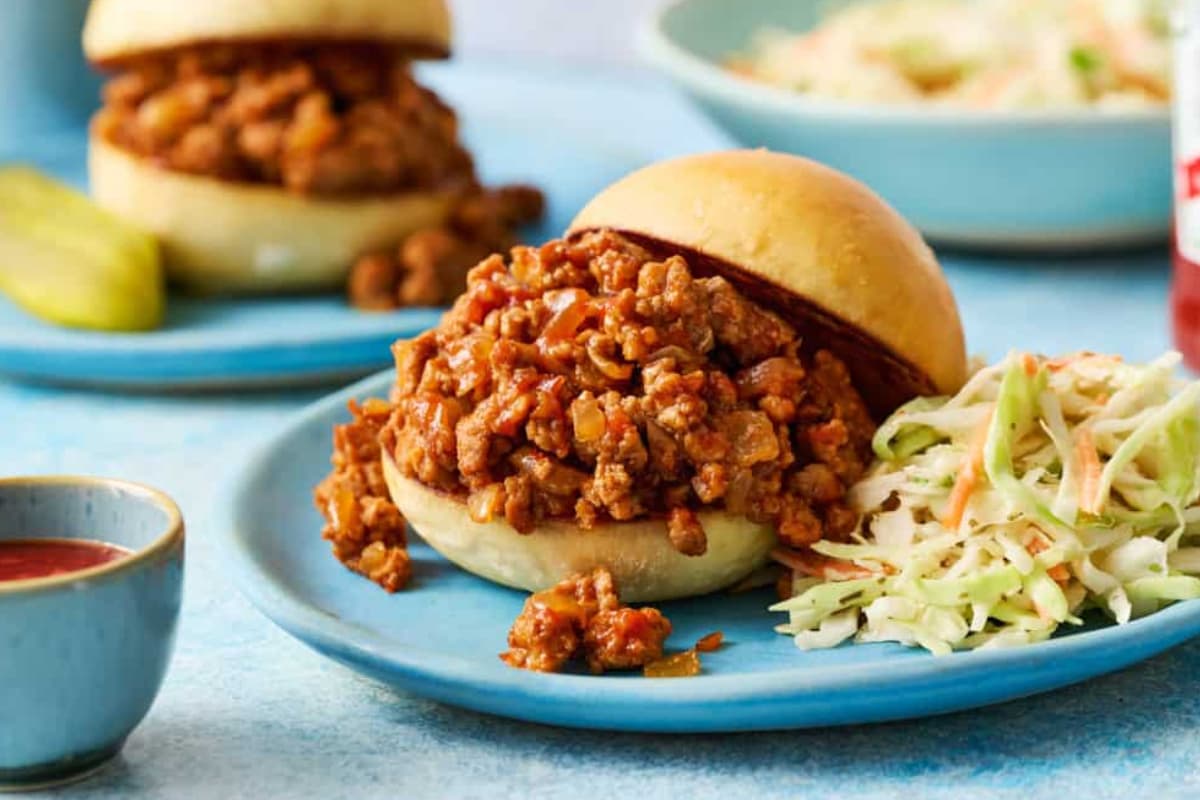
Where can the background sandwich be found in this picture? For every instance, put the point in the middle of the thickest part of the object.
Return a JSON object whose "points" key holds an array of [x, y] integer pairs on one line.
{"points": [[269, 145]]}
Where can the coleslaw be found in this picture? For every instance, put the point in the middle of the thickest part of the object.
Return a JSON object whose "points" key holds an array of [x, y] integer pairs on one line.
{"points": [[1043, 489], [989, 54]]}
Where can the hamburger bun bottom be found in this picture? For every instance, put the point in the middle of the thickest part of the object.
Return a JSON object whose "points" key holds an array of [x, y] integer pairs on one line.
{"points": [[225, 237], [643, 563]]}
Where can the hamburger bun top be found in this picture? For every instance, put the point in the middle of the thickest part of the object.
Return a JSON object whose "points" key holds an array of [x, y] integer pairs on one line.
{"points": [[813, 244], [119, 29]]}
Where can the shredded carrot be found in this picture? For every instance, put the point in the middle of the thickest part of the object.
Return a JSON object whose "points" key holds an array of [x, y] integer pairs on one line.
{"points": [[991, 88], [968, 475], [1062, 362], [1089, 463], [1058, 572], [816, 565], [1030, 364]]}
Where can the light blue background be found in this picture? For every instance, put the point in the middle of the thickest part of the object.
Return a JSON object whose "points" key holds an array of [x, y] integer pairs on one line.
{"points": [[248, 712], [45, 84]]}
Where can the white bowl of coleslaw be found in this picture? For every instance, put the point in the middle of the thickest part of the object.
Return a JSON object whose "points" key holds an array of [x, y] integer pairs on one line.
{"points": [[1025, 154]]}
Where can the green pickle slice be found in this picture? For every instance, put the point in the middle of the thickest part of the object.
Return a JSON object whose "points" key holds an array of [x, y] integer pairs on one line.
{"points": [[64, 259]]}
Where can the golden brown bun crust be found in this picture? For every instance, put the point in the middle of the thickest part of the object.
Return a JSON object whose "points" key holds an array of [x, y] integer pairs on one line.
{"points": [[645, 566], [219, 236], [815, 244], [118, 29]]}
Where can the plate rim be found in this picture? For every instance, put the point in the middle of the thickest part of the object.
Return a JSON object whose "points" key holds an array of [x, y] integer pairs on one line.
{"points": [[76, 342], [458, 680], [232, 364]]}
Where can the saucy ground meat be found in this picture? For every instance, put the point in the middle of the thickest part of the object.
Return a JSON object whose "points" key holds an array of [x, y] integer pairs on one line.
{"points": [[588, 379], [685, 664], [582, 617], [430, 267], [327, 119], [365, 528]]}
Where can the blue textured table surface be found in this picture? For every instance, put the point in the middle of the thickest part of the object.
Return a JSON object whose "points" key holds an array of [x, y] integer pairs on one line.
{"points": [[248, 712]]}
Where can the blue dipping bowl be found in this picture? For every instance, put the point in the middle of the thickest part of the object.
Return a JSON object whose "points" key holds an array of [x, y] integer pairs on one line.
{"points": [[996, 179], [82, 655]]}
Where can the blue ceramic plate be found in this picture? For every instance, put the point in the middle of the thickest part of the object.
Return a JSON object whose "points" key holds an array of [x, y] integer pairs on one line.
{"points": [[1024, 179], [523, 124], [440, 638]]}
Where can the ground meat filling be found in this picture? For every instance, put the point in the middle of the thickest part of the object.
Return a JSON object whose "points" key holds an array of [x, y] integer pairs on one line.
{"points": [[429, 268], [588, 379], [325, 119], [366, 530], [582, 617]]}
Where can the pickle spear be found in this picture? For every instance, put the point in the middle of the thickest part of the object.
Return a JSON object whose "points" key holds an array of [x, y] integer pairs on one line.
{"points": [[66, 260]]}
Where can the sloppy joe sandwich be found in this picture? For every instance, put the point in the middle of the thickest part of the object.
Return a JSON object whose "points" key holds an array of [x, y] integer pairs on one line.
{"points": [[685, 381], [269, 145]]}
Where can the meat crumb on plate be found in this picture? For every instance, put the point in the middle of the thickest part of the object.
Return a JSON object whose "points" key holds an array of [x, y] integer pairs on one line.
{"points": [[582, 619]]}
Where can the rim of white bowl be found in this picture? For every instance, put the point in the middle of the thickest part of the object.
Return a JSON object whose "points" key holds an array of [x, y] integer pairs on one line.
{"points": [[703, 75]]}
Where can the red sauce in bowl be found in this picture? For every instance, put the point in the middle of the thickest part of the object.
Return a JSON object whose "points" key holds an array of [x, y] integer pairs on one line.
{"points": [[21, 559]]}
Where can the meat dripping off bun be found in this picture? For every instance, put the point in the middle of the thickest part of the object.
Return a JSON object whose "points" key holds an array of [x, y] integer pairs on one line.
{"points": [[812, 244]]}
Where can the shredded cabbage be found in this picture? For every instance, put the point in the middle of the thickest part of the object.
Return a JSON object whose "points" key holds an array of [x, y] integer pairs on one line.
{"points": [[1084, 497], [997, 54]]}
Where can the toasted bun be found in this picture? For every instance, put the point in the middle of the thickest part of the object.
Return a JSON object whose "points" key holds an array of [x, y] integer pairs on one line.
{"points": [[818, 246], [118, 29], [643, 562], [219, 236]]}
